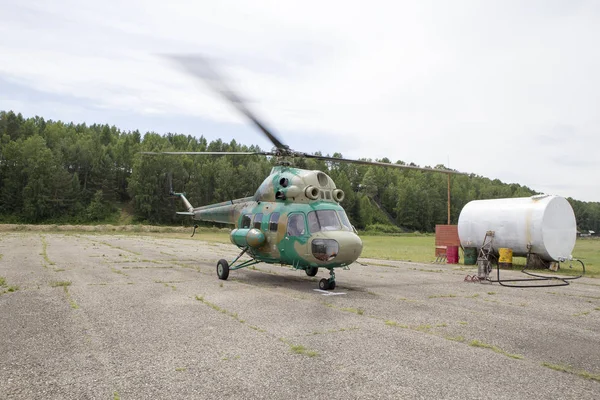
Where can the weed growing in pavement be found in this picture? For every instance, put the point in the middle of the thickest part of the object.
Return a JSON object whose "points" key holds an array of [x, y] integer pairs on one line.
{"points": [[118, 271], [394, 323], [7, 288], [332, 331], [581, 313], [60, 283], [219, 309], [72, 302], [477, 343], [45, 251], [299, 349], [570, 370], [358, 311], [441, 296]]}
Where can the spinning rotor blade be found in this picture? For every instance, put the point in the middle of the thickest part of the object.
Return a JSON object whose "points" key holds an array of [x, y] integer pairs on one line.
{"points": [[200, 68], [381, 164], [209, 153]]}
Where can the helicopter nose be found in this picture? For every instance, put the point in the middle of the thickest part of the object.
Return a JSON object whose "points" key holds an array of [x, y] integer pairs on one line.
{"points": [[350, 247], [339, 247]]}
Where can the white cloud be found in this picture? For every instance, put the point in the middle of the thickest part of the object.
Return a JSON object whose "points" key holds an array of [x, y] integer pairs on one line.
{"points": [[483, 83]]}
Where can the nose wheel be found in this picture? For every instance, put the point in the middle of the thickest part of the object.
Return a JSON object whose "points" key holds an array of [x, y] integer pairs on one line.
{"points": [[328, 284]]}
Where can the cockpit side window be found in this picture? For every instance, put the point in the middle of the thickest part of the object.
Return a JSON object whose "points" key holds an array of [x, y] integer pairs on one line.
{"points": [[246, 219], [296, 225], [258, 220], [345, 221]]}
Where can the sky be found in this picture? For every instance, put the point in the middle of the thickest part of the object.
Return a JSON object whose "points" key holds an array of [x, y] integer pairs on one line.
{"points": [[504, 89]]}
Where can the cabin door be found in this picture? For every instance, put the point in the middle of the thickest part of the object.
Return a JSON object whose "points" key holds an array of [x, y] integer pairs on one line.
{"points": [[293, 247]]}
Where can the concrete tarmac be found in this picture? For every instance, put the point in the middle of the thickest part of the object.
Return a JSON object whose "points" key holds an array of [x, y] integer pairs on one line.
{"points": [[145, 317]]}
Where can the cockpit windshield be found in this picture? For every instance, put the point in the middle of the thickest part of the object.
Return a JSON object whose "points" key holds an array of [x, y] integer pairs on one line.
{"points": [[328, 220]]}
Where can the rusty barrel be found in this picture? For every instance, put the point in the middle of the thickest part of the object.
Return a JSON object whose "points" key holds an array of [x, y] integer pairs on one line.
{"points": [[505, 257], [452, 254]]}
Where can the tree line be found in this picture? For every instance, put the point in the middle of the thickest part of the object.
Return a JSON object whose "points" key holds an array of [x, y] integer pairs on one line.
{"points": [[56, 172]]}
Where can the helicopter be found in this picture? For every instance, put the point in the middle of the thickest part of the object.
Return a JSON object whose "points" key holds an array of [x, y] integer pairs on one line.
{"points": [[295, 218]]}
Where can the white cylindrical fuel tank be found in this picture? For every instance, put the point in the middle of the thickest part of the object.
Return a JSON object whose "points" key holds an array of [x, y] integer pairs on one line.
{"points": [[545, 222]]}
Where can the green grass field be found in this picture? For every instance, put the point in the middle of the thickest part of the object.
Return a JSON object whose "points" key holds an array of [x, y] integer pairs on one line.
{"points": [[415, 248], [421, 249]]}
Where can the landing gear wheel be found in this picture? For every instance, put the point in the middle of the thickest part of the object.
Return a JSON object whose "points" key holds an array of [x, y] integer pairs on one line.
{"points": [[331, 285], [223, 269], [311, 271], [324, 284]]}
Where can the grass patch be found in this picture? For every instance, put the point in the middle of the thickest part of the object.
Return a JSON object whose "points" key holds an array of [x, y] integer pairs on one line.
{"points": [[65, 285], [420, 249], [72, 302], [441, 296], [423, 328], [60, 283], [45, 251], [219, 309], [358, 311], [459, 339], [495, 349], [569, 370], [113, 246], [299, 349], [256, 328], [118, 271], [581, 313], [354, 328], [7, 288], [180, 369], [394, 323], [403, 248]]}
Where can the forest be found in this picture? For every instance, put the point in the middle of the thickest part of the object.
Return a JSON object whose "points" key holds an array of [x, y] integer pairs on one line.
{"points": [[57, 172]]}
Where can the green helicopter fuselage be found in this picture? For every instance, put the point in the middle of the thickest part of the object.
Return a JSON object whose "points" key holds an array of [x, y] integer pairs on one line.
{"points": [[294, 218]]}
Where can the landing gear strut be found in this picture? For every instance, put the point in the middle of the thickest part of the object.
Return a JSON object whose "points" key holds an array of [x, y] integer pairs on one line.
{"points": [[328, 284]]}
